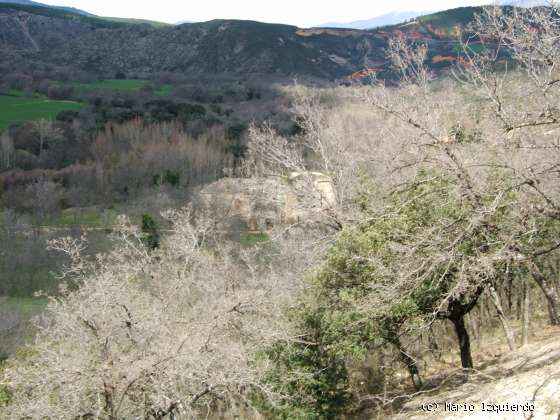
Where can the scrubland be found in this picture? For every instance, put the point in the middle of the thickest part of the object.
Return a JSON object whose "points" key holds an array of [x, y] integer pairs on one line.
{"points": [[436, 266]]}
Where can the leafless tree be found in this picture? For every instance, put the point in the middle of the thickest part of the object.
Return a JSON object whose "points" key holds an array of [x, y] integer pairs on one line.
{"points": [[47, 131], [520, 66], [156, 334], [6, 151]]}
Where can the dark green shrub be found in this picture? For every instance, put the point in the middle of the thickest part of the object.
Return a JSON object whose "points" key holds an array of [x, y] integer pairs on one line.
{"points": [[67, 116], [169, 177], [311, 377], [150, 230]]}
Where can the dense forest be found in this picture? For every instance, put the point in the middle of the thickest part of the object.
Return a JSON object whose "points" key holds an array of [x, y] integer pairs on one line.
{"points": [[409, 233]]}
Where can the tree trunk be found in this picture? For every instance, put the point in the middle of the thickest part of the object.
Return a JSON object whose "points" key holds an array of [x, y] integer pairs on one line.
{"points": [[502, 316], [408, 360], [550, 292], [433, 344], [550, 312], [525, 315], [464, 341], [412, 368], [456, 314], [519, 302], [509, 291], [108, 391]]}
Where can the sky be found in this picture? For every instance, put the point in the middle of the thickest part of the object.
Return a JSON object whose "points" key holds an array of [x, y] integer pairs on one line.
{"points": [[302, 13]]}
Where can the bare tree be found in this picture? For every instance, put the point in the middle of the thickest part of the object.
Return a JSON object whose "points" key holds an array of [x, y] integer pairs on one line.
{"points": [[6, 151], [530, 37], [172, 332], [47, 131]]}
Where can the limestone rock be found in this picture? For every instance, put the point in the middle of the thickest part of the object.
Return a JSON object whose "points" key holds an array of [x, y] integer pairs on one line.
{"points": [[259, 204]]}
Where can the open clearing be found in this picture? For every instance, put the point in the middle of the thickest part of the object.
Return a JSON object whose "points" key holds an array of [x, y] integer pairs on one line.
{"points": [[131, 85], [15, 109]]}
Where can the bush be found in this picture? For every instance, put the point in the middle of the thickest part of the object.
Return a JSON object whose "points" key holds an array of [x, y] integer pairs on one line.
{"points": [[150, 230], [169, 177], [236, 131], [67, 116], [311, 377]]}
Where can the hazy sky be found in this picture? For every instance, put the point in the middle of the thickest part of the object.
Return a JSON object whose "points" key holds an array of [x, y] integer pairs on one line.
{"points": [[295, 12]]}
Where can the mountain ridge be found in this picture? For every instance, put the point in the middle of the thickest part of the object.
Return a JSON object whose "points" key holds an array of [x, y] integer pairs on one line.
{"points": [[215, 47], [34, 3]]}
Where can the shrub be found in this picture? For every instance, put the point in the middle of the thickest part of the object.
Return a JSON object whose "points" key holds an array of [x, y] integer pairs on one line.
{"points": [[150, 232]]}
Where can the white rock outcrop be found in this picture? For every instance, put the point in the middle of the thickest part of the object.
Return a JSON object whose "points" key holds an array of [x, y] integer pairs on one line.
{"points": [[259, 204]]}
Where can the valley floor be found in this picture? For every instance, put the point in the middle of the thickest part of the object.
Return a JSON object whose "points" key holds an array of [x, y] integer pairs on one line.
{"points": [[530, 375]]}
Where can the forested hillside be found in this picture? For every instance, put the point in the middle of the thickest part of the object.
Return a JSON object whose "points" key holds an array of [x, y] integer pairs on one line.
{"points": [[217, 47]]}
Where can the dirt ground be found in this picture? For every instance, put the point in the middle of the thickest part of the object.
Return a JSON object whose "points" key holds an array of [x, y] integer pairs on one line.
{"points": [[526, 380]]}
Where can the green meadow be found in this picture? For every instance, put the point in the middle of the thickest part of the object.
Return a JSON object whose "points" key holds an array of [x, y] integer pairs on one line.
{"points": [[15, 109], [131, 85]]}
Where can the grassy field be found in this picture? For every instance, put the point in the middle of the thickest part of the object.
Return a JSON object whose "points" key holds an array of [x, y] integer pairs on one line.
{"points": [[18, 107], [131, 85], [15, 109]]}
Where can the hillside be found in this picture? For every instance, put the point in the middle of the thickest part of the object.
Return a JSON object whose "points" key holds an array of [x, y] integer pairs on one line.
{"points": [[216, 47], [529, 375], [34, 3], [187, 233]]}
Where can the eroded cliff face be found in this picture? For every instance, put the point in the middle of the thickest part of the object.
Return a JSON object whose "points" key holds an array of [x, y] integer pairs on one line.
{"points": [[261, 204]]}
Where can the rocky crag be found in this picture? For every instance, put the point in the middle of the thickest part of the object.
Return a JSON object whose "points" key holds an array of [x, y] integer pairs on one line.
{"points": [[261, 204]]}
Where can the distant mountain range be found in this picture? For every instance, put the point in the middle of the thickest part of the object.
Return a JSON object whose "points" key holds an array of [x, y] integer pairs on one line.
{"points": [[387, 19], [524, 3], [394, 18], [376, 22]]}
